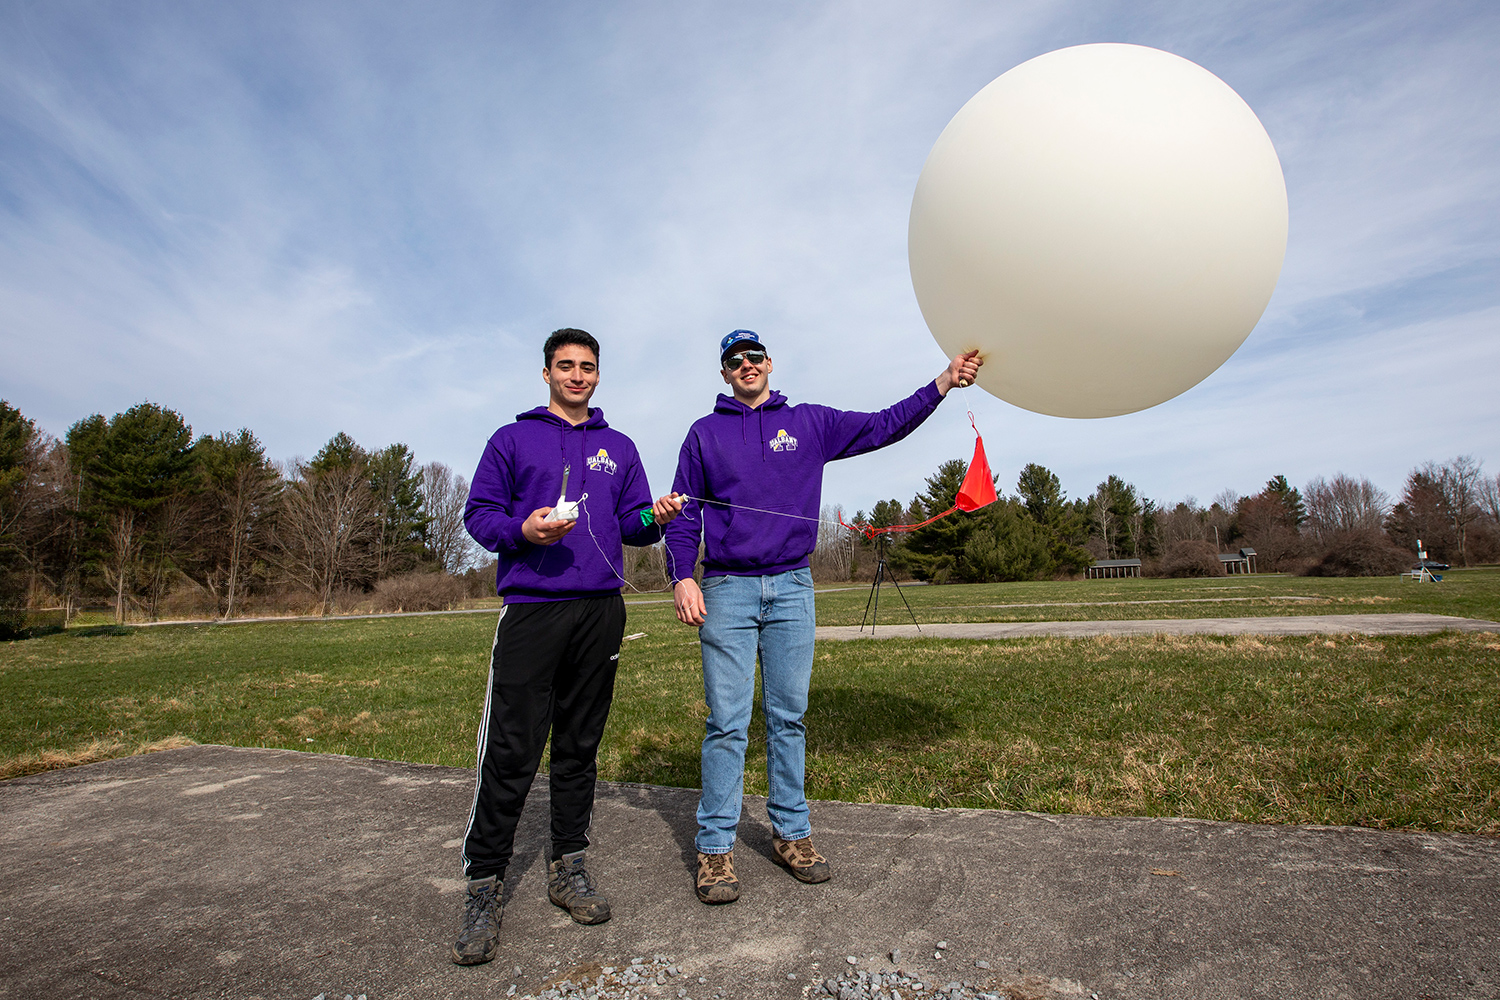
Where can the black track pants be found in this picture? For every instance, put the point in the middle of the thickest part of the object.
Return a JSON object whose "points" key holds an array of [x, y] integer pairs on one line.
{"points": [[552, 667]]}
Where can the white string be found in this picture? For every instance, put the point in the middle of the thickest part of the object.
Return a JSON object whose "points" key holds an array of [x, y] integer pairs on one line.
{"points": [[761, 510], [588, 524], [588, 521]]}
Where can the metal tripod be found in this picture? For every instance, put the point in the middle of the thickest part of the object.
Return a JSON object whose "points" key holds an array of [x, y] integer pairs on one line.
{"points": [[881, 571]]}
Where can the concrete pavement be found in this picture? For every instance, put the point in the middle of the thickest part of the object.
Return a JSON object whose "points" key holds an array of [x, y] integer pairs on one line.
{"points": [[222, 872]]}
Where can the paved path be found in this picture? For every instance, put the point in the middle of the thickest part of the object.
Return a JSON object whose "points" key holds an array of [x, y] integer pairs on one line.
{"points": [[1392, 624], [220, 872]]}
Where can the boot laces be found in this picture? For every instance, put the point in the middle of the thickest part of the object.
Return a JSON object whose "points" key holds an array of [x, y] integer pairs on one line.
{"points": [[575, 879], [479, 906], [720, 868], [802, 851]]}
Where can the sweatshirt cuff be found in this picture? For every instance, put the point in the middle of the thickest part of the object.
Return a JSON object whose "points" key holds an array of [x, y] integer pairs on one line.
{"points": [[512, 536]]}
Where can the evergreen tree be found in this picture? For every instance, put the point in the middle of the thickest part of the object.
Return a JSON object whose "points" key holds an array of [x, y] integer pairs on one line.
{"points": [[1007, 544], [398, 497], [1041, 491], [1112, 513], [1290, 498], [132, 466], [1067, 524], [934, 552], [239, 490], [339, 453], [17, 456]]}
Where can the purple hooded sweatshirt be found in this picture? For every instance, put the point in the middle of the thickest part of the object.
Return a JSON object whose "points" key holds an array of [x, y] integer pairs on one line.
{"points": [[522, 470], [771, 457]]}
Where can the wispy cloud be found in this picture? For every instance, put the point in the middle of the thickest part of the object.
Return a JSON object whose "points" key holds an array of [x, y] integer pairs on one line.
{"points": [[365, 217]]}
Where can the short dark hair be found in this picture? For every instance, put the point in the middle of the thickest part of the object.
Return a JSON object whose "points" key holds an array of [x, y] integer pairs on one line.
{"points": [[568, 335]]}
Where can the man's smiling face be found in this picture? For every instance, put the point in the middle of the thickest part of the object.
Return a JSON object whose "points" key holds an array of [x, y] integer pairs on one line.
{"points": [[746, 377], [573, 375]]}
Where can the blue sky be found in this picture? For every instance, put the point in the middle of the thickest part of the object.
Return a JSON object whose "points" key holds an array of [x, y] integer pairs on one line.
{"points": [[306, 218]]}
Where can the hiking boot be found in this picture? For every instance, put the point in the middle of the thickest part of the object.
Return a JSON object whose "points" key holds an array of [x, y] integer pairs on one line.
{"points": [[480, 938], [569, 886], [806, 864], [716, 881]]}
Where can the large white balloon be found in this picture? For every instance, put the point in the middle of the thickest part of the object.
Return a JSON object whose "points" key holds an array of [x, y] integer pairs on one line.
{"points": [[1105, 222]]}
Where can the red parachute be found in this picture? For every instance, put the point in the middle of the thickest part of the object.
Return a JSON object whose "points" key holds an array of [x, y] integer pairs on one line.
{"points": [[977, 490]]}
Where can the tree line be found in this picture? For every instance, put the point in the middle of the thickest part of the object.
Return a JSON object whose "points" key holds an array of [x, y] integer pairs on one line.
{"points": [[1329, 526], [136, 512]]}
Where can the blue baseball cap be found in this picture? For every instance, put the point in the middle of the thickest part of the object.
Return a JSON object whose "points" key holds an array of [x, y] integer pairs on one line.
{"points": [[737, 338]]}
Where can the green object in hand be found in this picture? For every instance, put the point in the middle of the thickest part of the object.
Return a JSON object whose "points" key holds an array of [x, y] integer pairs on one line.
{"points": [[647, 518]]}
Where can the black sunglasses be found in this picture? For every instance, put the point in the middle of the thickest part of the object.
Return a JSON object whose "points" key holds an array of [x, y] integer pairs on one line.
{"points": [[734, 361]]}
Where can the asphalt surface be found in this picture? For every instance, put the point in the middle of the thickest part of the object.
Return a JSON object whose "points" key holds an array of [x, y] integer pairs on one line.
{"points": [[222, 872], [1391, 624]]}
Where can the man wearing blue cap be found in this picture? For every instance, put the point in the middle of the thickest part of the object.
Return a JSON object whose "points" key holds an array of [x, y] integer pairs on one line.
{"points": [[757, 462]]}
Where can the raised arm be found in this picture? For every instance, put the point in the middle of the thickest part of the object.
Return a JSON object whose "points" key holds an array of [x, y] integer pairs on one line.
{"points": [[853, 433]]}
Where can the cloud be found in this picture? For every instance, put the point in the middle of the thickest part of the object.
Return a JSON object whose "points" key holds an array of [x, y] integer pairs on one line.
{"points": [[365, 217]]}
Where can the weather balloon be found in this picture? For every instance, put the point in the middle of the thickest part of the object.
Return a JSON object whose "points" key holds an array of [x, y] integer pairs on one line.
{"points": [[1105, 222]]}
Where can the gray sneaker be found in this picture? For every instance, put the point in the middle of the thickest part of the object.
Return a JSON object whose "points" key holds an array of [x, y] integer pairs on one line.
{"points": [[480, 938], [569, 886]]}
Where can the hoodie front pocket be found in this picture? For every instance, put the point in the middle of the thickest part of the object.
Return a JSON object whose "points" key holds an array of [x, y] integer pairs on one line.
{"points": [[765, 538]]}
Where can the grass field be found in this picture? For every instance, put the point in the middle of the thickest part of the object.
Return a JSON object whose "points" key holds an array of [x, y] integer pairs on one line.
{"points": [[1390, 732]]}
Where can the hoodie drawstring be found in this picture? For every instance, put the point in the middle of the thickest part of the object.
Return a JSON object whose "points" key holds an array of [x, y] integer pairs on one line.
{"points": [[562, 449]]}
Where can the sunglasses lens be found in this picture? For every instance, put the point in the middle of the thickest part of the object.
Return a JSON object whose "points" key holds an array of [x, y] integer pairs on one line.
{"points": [[734, 361]]}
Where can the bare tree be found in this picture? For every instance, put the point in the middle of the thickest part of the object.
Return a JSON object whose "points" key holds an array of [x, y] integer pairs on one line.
{"points": [[326, 528], [173, 524], [444, 496], [1183, 521], [1344, 504], [1104, 518], [34, 490], [646, 567], [1459, 482], [833, 552], [1421, 519], [119, 562], [1489, 497], [247, 500], [1220, 516]]}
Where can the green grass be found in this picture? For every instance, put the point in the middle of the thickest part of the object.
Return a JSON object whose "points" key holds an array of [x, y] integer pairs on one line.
{"points": [[1389, 732], [1470, 593]]}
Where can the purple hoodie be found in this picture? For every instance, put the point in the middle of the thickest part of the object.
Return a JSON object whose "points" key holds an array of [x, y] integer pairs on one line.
{"points": [[771, 457], [522, 469]]}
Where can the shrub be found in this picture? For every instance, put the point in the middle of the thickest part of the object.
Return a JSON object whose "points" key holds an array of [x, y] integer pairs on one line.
{"points": [[187, 600], [1366, 552], [418, 591], [1192, 557], [18, 623], [479, 581], [1008, 545]]}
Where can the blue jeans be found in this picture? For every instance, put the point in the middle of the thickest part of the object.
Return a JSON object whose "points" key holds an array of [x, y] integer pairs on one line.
{"points": [[748, 615]]}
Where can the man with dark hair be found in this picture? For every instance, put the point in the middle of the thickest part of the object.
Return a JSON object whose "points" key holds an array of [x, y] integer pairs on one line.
{"points": [[568, 335], [557, 643], [752, 460]]}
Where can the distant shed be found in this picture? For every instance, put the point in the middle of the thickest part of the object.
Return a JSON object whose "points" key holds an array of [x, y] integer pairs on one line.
{"points": [[1242, 561], [1104, 568]]}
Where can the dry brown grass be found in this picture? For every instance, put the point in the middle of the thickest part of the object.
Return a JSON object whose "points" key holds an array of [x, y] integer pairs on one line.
{"points": [[88, 753]]}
